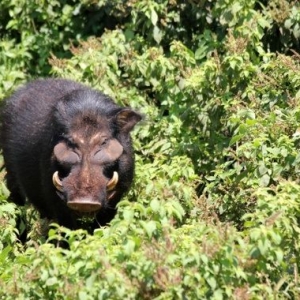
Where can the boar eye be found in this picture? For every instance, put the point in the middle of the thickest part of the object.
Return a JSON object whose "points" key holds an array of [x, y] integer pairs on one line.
{"points": [[104, 142]]}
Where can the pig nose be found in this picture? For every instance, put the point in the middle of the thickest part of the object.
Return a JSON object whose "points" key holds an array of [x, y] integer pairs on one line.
{"points": [[85, 205]]}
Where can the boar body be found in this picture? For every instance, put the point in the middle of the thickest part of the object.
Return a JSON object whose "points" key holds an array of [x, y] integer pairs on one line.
{"points": [[67, 149]]}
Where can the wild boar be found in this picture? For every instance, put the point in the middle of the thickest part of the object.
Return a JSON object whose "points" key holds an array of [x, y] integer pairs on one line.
{"points": [[67, 149]]}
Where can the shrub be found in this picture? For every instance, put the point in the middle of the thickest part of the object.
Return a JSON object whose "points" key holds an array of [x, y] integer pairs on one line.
{"points": [[214, 210]]}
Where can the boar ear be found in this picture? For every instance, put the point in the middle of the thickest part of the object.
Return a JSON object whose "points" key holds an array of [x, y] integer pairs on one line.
{"points": [[127, 118]]}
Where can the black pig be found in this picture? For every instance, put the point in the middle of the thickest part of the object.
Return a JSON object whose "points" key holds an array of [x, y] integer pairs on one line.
{"points": [[67, 148]]}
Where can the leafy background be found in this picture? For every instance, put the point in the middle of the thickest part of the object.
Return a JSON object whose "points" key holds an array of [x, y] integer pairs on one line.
{"points": [[214, 210]]}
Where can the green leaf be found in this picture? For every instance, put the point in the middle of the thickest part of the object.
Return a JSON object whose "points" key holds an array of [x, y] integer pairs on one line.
{"points": [[264, 180], [235, 139], [51, 281], [155, 205], [154, 17], [83, 295], [157, 34], [212, 282], [150, 227]]}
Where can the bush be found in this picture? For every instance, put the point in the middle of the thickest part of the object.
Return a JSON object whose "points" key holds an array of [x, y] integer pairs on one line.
{"points": [[214, 210]]}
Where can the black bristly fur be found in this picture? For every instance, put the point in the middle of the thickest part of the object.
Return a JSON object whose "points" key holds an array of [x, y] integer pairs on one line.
{"points": [[45, 112]]}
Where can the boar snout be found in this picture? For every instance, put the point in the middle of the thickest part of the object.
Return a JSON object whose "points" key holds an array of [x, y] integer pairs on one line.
{"points": [[84, 205], [87, 204]]}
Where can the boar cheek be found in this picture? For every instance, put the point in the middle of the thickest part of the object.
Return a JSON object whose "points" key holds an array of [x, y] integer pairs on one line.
{"points": [[64, 154], [66, 159], [110, 152]]}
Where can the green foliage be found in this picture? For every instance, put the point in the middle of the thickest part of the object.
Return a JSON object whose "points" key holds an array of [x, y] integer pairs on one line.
{"points": [[214, 210]]}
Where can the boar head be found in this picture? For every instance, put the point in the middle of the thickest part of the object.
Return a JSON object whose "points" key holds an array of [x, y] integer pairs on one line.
{"points": [[93, 154]]}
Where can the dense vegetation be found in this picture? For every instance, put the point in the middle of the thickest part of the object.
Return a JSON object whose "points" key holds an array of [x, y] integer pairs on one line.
{"points": [[214, 211]]}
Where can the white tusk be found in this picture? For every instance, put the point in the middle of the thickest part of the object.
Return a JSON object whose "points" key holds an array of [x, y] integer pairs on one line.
{"points": [[113, 182], [57, 182]]}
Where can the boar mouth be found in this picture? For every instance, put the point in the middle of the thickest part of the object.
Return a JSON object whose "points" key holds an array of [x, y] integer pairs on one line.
{"points": [[86, 205]]}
